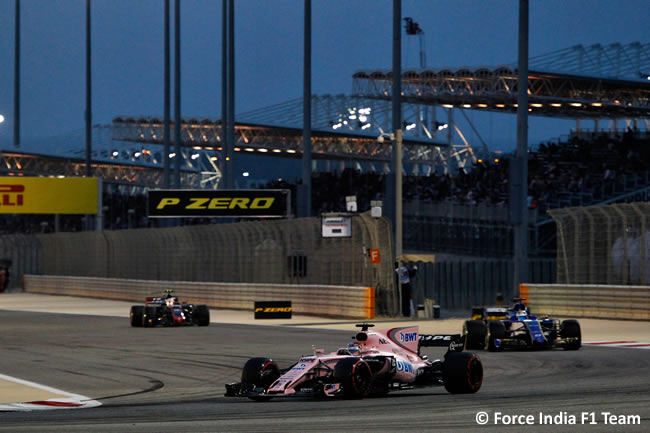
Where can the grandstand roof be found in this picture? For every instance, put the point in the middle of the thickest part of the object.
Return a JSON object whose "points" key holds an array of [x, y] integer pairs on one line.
{"points": [[577, 82], [550, 94]]}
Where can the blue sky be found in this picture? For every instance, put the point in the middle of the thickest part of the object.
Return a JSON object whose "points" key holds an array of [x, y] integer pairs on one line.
{"points": [[347, 37]]}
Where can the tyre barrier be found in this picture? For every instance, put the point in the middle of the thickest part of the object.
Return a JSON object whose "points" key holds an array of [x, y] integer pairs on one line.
{"points": [[331, 301], [599, 301]]}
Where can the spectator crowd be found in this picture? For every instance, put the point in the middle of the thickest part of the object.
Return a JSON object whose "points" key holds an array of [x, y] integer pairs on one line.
{"points": [[579, 171]]}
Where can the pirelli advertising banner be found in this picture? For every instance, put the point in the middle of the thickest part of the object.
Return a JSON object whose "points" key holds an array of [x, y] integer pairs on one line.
{"points": [[173, 203], [48, 195]]}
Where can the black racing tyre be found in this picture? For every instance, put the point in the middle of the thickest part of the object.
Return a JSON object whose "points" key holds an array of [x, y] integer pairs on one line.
{"points": [[136, 315], [478, 313], [150, 317], [260, 372], [496, 331], [202, 315], [355, 377], [475, 332], [571, 329], [462, 373]]}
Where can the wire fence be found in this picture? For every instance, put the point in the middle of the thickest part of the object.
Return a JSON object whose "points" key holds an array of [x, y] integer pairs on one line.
{"points": [[291, 251], [603, 244]]}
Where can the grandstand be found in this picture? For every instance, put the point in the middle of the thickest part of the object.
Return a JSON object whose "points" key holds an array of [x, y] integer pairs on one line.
{"points": [[456, 183]]}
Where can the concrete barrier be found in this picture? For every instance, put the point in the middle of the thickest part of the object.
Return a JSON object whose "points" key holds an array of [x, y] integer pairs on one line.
{"points": [[602, 301], [334, 301]]}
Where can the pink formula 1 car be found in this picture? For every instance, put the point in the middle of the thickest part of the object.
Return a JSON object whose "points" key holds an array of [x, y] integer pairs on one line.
{"points": [[376, 362]]}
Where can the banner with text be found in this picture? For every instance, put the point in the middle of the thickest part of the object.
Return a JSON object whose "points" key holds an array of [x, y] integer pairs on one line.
{"points": [[48, 195], [221, 203]]}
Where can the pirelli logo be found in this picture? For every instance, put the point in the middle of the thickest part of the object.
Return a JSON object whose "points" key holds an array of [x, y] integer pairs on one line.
{"points": [[273, 309], [11, 195], [222, 203], [46, 195]]}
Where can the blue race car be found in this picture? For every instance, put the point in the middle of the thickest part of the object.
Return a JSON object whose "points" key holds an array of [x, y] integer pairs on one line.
{"points": [[515, 327]]}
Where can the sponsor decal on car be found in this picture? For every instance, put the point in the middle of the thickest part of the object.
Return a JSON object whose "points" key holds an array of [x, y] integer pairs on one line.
{"points": [[405, 337], [456, 346], [404, 367], [300, 366]]}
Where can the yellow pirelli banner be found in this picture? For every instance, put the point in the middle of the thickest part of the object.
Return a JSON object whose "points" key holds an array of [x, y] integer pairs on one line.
{"points": [[48, 195]]}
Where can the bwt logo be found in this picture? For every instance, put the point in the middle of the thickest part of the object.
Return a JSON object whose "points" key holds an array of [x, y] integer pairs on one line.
{"points": [[408, 337], [11, 195], [404, 367]]}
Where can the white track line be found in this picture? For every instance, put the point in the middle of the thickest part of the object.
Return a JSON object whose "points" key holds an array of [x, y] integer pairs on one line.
{"points": [[619, 343], [69, 401]]}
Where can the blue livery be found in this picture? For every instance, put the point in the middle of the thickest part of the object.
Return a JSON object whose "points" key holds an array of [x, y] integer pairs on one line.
{"points": [[515, 327]]}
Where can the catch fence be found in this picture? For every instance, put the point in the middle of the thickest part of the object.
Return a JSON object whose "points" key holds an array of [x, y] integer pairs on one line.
{"points": [[603, 244], [290, 251]]}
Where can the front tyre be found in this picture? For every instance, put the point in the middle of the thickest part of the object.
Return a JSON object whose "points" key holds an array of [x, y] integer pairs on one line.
{"points": [[202, 315], [259, 373], [570, 329], [462, 373], [496, 331], [355, 377], [136, 315], [475, 332], [150, 317]]}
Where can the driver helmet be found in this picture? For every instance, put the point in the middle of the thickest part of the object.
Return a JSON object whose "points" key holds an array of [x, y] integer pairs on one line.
{"points": [[354, 349]]}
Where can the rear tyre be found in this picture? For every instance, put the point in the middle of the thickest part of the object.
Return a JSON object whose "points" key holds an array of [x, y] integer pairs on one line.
{"points": [[259, 372], [150, 317], [496, 331], [202, 315], [462, 373], [571, 329], [475, 332], [136, 315], [355, 377]]}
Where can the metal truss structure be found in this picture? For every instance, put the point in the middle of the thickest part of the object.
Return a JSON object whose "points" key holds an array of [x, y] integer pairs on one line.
{"points": [[578, 82], [20, 164], [344, 128], [622, 89], [615, 61]]}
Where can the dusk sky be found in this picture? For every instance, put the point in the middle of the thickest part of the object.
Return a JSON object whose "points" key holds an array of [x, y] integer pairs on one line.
{"points": [[347, 36]]}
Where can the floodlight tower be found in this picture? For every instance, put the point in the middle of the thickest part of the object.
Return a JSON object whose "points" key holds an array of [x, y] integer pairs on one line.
{"points": [[414, 29]]}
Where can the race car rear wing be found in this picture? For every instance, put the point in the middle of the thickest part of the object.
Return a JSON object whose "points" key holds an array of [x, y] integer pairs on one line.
{"points": [[453, 342]]}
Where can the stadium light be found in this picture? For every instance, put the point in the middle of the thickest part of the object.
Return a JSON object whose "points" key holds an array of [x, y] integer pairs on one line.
{"points": [[2, 118]]}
